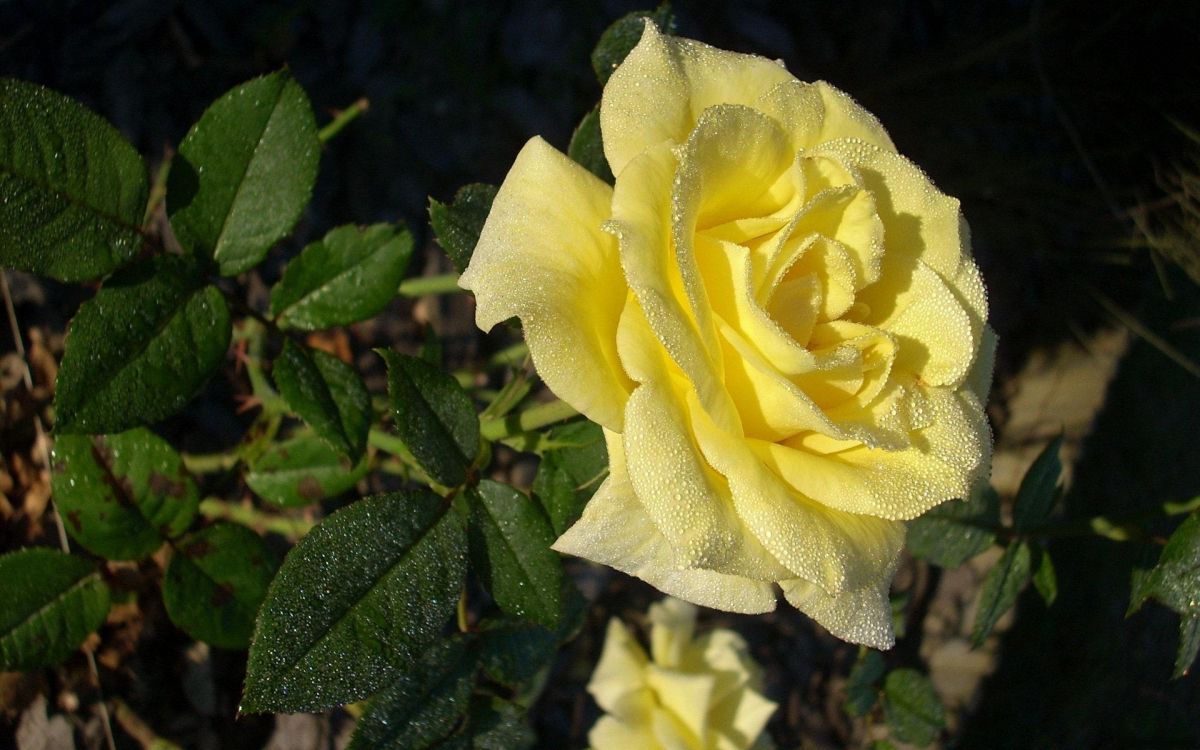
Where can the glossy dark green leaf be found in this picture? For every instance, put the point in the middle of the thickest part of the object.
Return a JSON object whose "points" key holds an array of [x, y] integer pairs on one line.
{"points": [[914, 712], [434, 417], [568, 477], [141, 348], [425, 705], [1045, 580], [587, 146], [1175, 583], [1003, 584], [244, 172], [457, 224], [1039, 488], [619, 39], [302, 471], [956, 531], [52, 601], [215, 583], [72, 190], [862, 686], [327, 394], [510, 549], [514, 651], [355, 603], [122, 495], [349, 275]]}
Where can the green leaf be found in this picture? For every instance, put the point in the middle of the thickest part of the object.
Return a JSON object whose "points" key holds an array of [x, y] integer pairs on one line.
{"points": [[434, 416], [327, 394], [355, 603], [914, 712], [349, 275], [51, 602], [513, 652], [1175, 583], [72, 190], [568, 477], [215, 583], [425, 705], [121, 495], [955, 531], [301, 471], [244, 172], [1189, 644], [587, 146], [619, 39], [495, 724], [510, 549], [457, 225], [1039, 488], [862, 686], [141, 348], [1044, 578], [1004, 582]]}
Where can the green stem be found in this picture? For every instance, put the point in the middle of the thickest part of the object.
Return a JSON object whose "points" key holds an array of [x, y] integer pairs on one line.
{"points": [[209, 463], [423, 285], [394, 446], [290, 527], [343, 118], [531, 419]]}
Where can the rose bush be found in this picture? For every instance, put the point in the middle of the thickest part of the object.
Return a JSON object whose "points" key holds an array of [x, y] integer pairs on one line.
{"points": [[774, 316], [688, 692]]}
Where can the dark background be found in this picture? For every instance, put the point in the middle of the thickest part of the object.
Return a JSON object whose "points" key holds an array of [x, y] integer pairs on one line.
{"points": [[1058, 124]]}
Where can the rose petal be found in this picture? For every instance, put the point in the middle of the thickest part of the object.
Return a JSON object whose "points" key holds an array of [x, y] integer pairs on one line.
{"points": [[641, 220], [936, 335], [673, 623], [686, 696], [610, 733], [943, 462], [620, 672], [741, 719], [817, 112], [658, 93], [920, 223], [840, 551], [547, 262], [616, 531], [735, 165], [862, 615]]}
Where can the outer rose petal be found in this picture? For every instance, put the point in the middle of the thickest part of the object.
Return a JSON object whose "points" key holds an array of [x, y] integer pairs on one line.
{"points": [[547, 262], [665, 83], [862, 615], [615, 531]]}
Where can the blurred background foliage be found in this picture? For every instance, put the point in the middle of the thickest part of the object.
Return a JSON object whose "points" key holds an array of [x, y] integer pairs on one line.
{"points": [[1067, 128]]}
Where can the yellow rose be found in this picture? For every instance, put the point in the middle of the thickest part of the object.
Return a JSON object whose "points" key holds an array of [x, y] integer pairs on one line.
{"points": [[774, 316], [694, 694]]}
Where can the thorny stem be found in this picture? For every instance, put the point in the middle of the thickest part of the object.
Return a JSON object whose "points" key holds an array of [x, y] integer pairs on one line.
{"points": [[342, 119], [42, 444]]}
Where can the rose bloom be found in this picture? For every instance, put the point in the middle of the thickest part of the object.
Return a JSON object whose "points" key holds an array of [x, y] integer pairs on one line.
{"points": [[696, 693], [774, 316]]}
